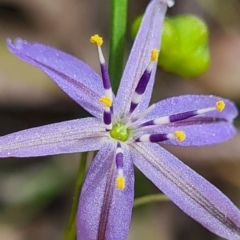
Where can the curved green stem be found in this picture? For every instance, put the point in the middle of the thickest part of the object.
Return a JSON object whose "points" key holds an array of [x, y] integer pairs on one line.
{"points": [[70, 232], [150, 199], [117, 40]]}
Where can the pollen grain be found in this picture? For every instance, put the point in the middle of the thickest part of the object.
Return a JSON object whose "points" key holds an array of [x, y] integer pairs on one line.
{"points": [[180, 135], [154, 55], [96, 39], [106, 101], [220, 105], [120, 182]]}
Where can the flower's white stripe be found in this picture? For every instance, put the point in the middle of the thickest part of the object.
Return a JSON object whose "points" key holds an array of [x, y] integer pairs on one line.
{"points": [[170, 3], [101, 57], [150, 66], [205, 110], [119, 150], [144, 113], [107, 109], [145, 138], [161, 120], [120, 172], [108, 93], [136, 98], [108, 126]]}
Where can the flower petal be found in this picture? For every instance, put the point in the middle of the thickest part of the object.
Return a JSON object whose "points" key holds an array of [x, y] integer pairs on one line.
{"points": [[208, 128], [203, 134], [188, 190], [105, 211], [197, 133], [79, 135], [186, 103], [73, 76], [147, 39]]}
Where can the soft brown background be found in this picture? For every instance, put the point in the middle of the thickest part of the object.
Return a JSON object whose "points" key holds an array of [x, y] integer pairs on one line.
{"points": [[35, 194]]}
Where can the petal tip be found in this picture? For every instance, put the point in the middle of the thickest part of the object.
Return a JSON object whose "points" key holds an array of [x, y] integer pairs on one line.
{"points": [[17, 44]]}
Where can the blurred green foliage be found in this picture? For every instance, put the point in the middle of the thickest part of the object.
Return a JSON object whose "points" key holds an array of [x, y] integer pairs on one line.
{"points": [[184, 48], [26, 192]]}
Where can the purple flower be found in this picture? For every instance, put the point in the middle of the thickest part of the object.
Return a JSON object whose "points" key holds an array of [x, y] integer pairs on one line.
{"points": [[126, 131]]}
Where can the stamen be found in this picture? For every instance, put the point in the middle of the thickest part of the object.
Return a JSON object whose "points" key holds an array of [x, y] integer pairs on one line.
{"points": [[119, 156], [220, 105], [96, 39], [120, 180], [106, 101], [153, 138], [107, 119], [160, 137], [180, 135], [107, 113], [154, 55], [143, 82], [142, 114]]}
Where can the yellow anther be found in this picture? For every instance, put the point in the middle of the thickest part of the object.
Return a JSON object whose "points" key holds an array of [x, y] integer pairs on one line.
{"points": [[106, 101], [96, 39], [154, 55], [180, 135], [120, 182], [220, 105]]}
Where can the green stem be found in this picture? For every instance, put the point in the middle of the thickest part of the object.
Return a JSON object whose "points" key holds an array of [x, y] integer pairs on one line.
{"points": [[70, 232], [150, 199], [117, 40]]}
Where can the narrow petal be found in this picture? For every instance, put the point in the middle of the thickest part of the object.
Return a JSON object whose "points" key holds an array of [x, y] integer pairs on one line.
{"points": [[186, 103], [79, 135], [205, 129], [188, 190], [73, 76], [104, 211], [147, 39], [198, 133]]}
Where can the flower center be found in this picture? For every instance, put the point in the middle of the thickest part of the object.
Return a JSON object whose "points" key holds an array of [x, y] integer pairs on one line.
{"points": [[120, 132]]}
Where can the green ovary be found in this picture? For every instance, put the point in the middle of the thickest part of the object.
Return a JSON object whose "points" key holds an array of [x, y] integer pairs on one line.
{"points": [[120, 132]]}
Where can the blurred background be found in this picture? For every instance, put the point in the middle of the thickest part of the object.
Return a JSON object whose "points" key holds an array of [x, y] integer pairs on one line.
{"points": [[36, 193]]}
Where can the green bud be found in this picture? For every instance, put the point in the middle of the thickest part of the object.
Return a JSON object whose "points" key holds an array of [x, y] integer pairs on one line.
{"points": [[184, 48]]}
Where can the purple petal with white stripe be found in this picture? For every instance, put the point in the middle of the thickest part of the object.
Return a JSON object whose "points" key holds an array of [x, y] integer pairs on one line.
{"points": [[203, 134], [73, 76], [147, 39], [184, 103], [205, 129], [188, 190], [104, 210], [198, 133], [79, 135]]}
